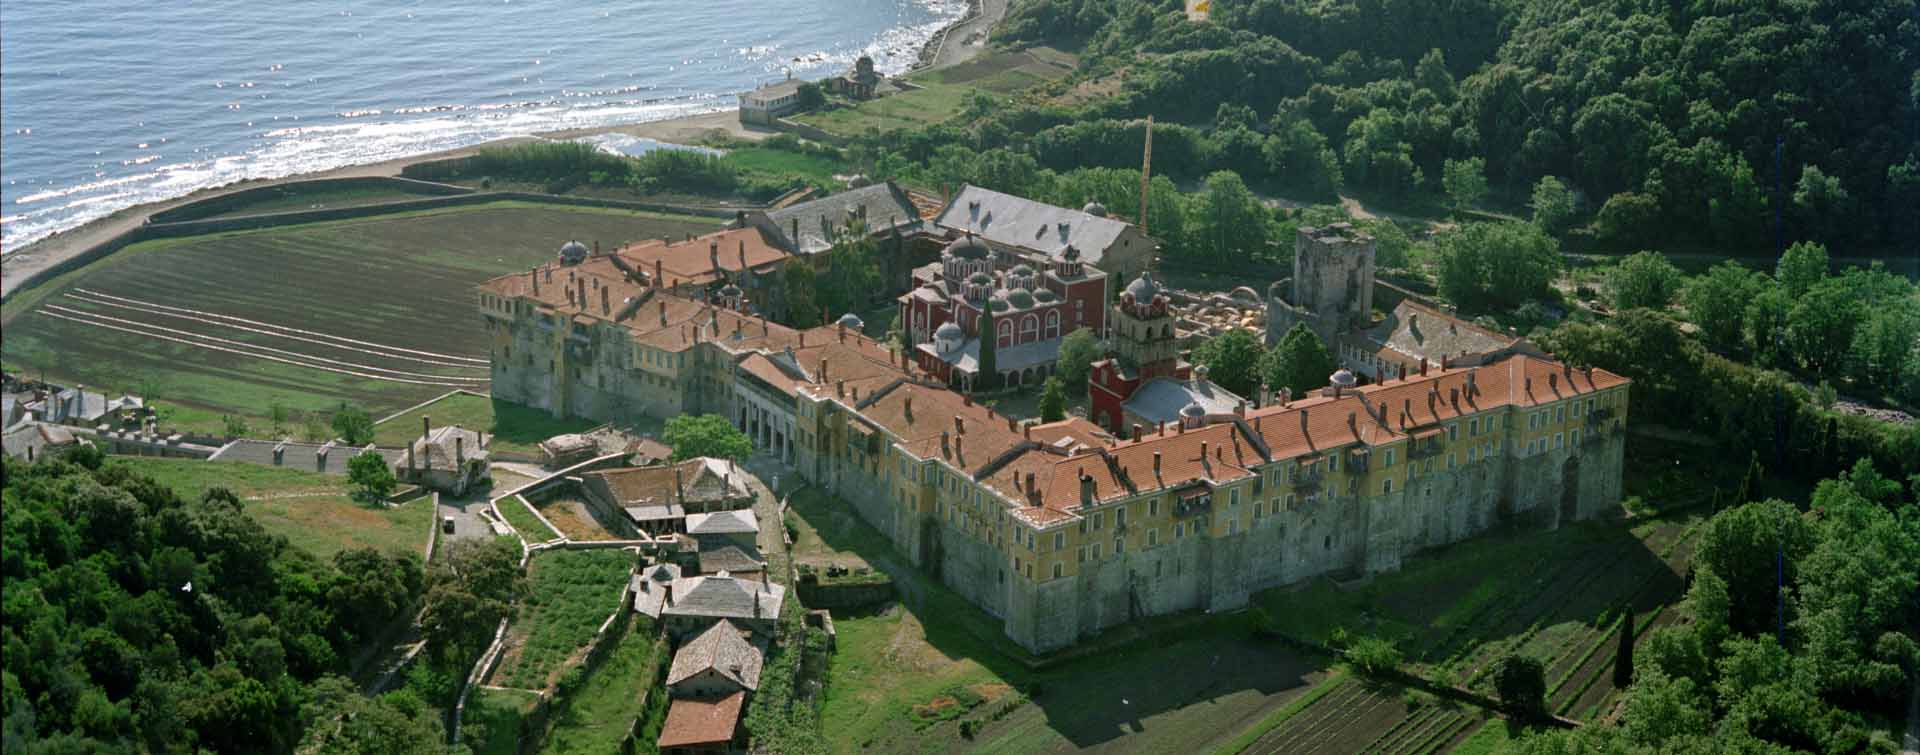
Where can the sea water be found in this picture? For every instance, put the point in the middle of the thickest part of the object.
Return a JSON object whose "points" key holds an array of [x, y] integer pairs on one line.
{"points": [[105, 104]]}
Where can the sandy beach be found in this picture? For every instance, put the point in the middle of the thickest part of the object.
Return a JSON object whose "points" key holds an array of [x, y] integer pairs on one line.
{"points": [[961, 42]]}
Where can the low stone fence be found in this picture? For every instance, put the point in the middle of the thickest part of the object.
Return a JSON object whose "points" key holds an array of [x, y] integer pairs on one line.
{"points": [[433, 529], [845, 596], [810, 132], [135, 443]]}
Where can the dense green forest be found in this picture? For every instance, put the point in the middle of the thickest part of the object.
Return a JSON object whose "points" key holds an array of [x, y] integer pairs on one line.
{"points": [[1678, 122], [1799, 632], [139, 621]]}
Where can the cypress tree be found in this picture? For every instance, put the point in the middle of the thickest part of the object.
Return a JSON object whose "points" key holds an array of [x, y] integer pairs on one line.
{"points": [[989, 369], [1623, 658], [1750, 484]]}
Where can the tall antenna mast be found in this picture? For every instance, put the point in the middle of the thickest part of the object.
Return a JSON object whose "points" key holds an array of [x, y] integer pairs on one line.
{"points": [[1146, 173]]}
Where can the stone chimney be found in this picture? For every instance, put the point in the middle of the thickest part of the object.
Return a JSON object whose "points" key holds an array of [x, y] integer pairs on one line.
{"points": [[1086, 490], [946, 443], [960, 448], [743, 255], [1026, 431], [659, 274], [679, 488], [959, 425], [840, 388], [410, 464], [823, 369], [796, 233], [426, 425], [1423, 366], [1136, 432], [713, 254], [606, 303], [1553, 382], [1030, 489], [663, 312], [459, 452], [1156, 465], [534, 275], [909, 407]]}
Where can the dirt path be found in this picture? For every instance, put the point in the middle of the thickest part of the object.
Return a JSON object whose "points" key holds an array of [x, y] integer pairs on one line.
{"points": [[966, 39]]}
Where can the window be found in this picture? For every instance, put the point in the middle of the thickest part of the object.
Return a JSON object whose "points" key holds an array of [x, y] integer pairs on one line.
{"points": [[1096, 551], [1576, 436], [1257, 506], [1098, 519], [1453, 432], [1179, 531], [1473, 455], [1233, 497], [1153, 508], [1059, 540], [1386, 487], [1233, 525], [1120, 518], [1333, 462], [1119, 546], [1560, 413], [1081, 554], [1559, 440], [1450, 461], [1289, 500], [1057, 569], [1153, 537], [1473, 427], [1389, 458]]}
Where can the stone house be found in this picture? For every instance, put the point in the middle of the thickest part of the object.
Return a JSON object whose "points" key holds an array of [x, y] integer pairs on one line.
{"points": [[720, 661], [449, 459], [769, 102]]}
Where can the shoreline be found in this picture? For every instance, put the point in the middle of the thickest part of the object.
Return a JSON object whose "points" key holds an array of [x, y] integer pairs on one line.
{"points": [[26, 264]]}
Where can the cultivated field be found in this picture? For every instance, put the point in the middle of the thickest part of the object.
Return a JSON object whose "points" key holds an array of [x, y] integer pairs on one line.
{"points": [[313, 511], [517, 513], [569, 594], [574, 519], [603, 711], [377, 312]]}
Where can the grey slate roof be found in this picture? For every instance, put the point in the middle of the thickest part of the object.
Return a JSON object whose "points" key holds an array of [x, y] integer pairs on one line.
{"points": [[650, 588], [37, 437], [75, 406], [1015, 221], [725, 596], [1413, 331], [723, 523], [725, 649], [437, 450], [967, 357], [885, 204], [718, 555], [1161, 399]]}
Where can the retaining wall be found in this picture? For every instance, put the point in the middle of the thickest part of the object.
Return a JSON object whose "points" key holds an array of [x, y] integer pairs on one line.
{"points": [[240, 199]]}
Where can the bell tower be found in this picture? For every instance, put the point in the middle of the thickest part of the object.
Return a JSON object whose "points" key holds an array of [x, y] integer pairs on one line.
{"points": [[1142, 332]]}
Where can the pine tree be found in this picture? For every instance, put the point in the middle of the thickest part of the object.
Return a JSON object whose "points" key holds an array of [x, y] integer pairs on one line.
{"points": [[1623, 658], [989, 369], [1053, 400]]}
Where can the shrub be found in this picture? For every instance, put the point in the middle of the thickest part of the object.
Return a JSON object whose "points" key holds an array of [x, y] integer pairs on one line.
{"points": [[1521, 682], [1374, 655]]}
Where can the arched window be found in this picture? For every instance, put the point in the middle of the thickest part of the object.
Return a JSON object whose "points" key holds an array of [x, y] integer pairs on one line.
{"points": [[1053, 323], [1006, 333], [1029, 328]]}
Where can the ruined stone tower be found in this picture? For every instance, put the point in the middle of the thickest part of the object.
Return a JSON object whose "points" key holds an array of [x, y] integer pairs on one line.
{"points": [[1332, 284]]}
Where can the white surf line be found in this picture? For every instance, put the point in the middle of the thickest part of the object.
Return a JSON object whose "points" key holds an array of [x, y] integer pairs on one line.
{"points": [[148, 309], [323, 368], [255, 347], [283, 327]]}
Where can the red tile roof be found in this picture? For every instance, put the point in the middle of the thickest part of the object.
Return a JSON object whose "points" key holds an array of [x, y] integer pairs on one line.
{"points": [[691, 261], [693, 721]]}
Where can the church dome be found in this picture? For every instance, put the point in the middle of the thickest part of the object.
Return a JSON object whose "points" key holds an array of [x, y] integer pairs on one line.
{"points": [[729, 291], [1045, 296], [1095, 209], [980, 279], [969, 247], [1020, 299], [851, 320], [949, 330], [1143, 289], [1193, 411], [859, 181], [1021, 270], [1342, 377], [573, 253]]}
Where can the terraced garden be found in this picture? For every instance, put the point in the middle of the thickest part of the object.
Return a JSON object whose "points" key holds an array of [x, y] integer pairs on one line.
{"points": [[377, 312], [569, 595], [1361, 716]]}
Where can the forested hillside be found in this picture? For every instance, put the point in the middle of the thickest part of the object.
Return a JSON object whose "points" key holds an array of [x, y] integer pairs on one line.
{"points": [[136, 621], [1667, 117]]}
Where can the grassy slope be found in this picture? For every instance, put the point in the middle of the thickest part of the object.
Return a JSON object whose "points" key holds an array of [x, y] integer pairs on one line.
{"points": [[311, 510], [569, 594], [514, 427], [945, 92], [404, 280], [530, 527], [604, 709], [491, 725]]}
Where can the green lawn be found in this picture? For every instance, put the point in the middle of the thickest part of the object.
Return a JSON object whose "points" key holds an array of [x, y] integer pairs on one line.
{"points": [[945, 92], [491, 724], [780, 163], [569, 593], [603, 711], [530, 527], [312, 511], [403, 283], [292, 201], [515, 427]]}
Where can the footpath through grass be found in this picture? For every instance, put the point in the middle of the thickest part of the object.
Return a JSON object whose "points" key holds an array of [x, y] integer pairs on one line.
{"points": [[515, 428], [569, 594], [314, 512]]}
